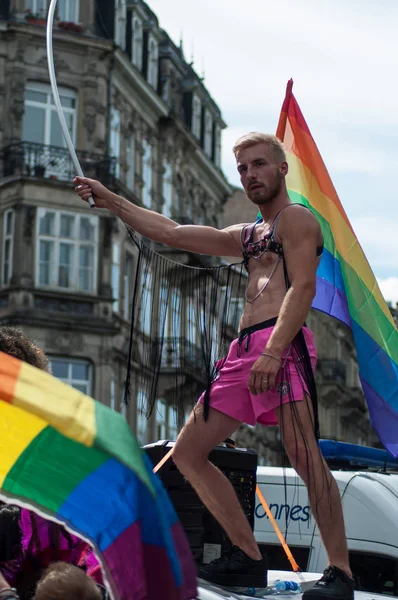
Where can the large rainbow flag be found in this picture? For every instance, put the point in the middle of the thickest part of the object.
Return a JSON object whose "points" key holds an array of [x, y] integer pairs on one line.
{"points": [[346, 286], [77, 462]]}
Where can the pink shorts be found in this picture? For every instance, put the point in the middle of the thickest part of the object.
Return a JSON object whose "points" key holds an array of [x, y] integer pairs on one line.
{"points": [[229, 392]]}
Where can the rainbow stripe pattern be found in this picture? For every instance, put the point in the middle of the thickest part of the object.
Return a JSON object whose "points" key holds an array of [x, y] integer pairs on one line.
{"points": [[346, 286], [77, 462]]}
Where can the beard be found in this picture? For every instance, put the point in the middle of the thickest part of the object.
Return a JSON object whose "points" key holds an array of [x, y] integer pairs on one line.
{"points": [[265, 194]]}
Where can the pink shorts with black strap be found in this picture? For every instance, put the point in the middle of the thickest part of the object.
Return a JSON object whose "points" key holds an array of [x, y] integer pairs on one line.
{"points": [[229, 392]]}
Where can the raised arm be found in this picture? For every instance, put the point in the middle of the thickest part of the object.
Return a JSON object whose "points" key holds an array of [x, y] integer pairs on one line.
{"points": [[157, 227]]}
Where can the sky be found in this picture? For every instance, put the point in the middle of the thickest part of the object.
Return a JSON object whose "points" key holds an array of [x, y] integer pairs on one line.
{"points": [[342, 56]]}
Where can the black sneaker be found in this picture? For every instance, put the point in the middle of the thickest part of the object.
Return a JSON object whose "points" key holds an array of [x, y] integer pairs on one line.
{"points": [[334, 585], [235, 569]]}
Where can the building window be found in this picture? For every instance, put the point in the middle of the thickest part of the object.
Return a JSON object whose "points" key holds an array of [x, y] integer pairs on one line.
{"points": [[189, 206], [161, 420], [217, 145], [208, 140], [120, 23], [112, 393], [146, 306], [167, 189], [176, 313], [8, 246], [173, 428], [142, 422], [41, 122], [138, 37], [115, 276], [191, 333], [234, 312], [130, 178], [127, 286], [41, 126], [77, 373], [196, 117], [353, 374], [153, 64], [174, 326], [68, 10], [37, 7], [215, 339], [66, 251], [147, 174], [115, 139]]}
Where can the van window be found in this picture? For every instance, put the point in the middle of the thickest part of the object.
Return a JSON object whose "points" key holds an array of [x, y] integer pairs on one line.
{"points": [[277, 559], [375, 573]]}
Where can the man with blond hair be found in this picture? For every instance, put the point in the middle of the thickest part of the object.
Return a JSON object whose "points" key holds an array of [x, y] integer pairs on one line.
{"points": [[267, 376]]}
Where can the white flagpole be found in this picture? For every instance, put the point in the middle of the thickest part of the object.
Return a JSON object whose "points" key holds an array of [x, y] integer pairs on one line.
{"points": [[57, 100]]}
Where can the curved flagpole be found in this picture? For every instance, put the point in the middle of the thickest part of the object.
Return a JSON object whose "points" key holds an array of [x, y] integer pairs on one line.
{"points": [[57, 100]]}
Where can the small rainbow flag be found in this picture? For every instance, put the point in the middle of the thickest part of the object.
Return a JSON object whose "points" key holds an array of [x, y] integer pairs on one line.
{"points": [[77, 462], [346, 286]]}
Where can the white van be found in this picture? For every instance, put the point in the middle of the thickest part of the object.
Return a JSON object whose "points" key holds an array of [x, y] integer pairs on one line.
{"points": [[370, 505]]}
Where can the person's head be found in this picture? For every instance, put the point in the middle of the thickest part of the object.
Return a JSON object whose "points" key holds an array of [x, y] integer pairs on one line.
{"points": [[18, 345], [261, 162], [10, 532], [63, 581]]}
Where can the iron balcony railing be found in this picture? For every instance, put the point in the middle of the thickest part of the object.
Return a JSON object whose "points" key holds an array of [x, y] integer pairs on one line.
{"points": [[28, 159], [178, 353]]}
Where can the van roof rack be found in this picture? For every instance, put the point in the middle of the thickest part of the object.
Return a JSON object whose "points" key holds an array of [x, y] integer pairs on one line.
{"points": [[344, 456]]}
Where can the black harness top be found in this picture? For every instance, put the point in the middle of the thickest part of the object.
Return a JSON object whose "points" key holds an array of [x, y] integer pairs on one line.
{"points": [[267, 243]]}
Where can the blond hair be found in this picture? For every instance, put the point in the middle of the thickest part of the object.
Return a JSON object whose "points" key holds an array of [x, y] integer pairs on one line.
{"points": [[252, 139], [63, 580]]}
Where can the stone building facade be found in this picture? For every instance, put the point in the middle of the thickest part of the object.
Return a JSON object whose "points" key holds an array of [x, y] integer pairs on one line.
{"points": [[343, 413], [144, 124]]}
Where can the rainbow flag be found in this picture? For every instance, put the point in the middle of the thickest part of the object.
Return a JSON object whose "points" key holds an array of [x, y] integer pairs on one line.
{"points": [[77, 462], [346, 286]]}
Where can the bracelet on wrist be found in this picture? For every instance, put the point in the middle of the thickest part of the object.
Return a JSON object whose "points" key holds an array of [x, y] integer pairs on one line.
{"points": [[271, 356], [9, 594]]}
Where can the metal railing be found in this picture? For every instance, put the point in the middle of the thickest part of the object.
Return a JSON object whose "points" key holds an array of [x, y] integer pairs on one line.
{"points": [[28, 159], [179, 353]]}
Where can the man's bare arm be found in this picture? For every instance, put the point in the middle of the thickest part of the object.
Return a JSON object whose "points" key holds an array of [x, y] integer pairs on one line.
{"points": [[157, 227], [300, 234]]}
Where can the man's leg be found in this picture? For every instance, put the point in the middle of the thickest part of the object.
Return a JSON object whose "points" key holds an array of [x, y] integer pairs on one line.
{"points": [[194, 444], [297, 433]]}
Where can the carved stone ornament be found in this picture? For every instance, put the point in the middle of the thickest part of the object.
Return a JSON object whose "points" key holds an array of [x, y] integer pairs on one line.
{"points": [[65, 342], [61, 65]]}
